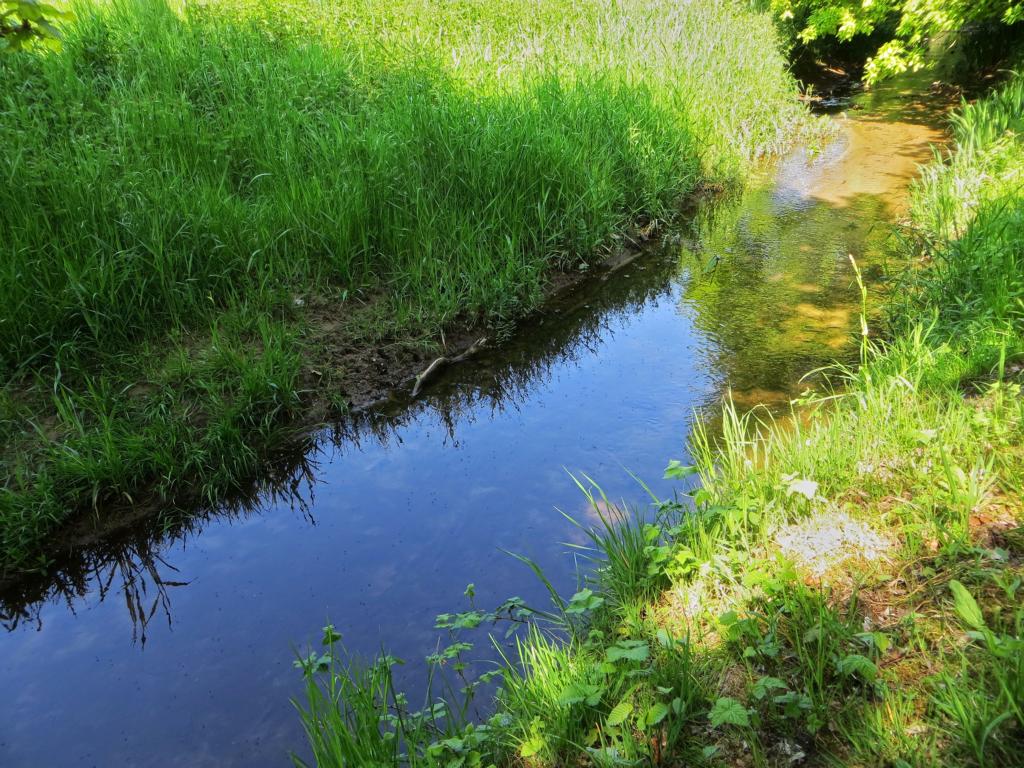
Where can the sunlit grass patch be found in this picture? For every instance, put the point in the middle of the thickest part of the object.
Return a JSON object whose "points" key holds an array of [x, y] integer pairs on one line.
{"points": [[842, 589], [175, 168]]}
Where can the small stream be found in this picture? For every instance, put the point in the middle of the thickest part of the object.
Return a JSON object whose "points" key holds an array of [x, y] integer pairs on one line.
{"points": [[172, 644]]}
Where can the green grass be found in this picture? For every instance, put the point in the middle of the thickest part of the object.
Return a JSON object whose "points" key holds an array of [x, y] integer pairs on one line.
{"points": [[842, 588], [182, 188]]}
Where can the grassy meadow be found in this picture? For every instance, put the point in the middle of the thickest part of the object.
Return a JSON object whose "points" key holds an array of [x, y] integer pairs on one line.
{"points": [[843, 589], [191, 192]]}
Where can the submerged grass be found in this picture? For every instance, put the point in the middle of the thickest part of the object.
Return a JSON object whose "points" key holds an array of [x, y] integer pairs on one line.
{"points": [[182, 186], [840, 589]]}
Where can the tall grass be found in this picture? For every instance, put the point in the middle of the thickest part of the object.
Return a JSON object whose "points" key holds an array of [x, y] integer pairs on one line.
{"points": [[181, 185], [167, 165], [970, 215]]}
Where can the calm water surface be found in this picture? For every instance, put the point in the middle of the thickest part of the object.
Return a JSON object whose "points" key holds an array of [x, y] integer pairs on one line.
{"points": [[174, 646]]}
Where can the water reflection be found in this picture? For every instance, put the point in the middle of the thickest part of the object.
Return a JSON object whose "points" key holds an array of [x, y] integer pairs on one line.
{"points": [[131, 565], [168, 643]]}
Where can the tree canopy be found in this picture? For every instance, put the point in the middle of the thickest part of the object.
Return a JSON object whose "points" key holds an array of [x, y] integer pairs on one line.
{"points": [[25, 22], [905, 26]]}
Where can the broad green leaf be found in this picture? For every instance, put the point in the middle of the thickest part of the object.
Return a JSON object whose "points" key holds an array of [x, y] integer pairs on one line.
{"points": [[794, 705], [619, 713], [966, 606], [583, 601], [926, 435], [678, 471], [454, 744], [813, 634], [576, 693], [532, 746], [728, 711], [632, 650], [878, 640], [331, 635], [861, 666], [766, 685], [656, 713]]}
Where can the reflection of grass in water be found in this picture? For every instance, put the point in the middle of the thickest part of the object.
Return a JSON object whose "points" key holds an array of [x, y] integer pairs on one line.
{"points": [[795, 602], [132, 562], [500, 380], [774, 290]]}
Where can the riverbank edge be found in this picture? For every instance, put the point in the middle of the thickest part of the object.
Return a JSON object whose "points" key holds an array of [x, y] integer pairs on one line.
{"points": [[839, 590], [369, 385]]}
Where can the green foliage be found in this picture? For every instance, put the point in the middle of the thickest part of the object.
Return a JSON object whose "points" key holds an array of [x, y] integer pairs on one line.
{"points": [[583, 601], [986, 703], [782, 662], [355, 716], [966, 606], [867, 661], [905, 27], [728, 711], [970, 217], [575, 692], [24, 23], [631, 650]]}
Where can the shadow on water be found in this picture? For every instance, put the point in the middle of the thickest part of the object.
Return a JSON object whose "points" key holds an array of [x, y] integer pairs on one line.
{"points": [[168, 643]]}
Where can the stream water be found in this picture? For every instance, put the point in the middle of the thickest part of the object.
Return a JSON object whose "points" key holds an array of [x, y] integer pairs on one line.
{"points": [[172, 644]]}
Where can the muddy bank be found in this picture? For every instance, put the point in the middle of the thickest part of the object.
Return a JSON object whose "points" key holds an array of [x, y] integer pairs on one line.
{"points": [[385, 373], [345, 381]]}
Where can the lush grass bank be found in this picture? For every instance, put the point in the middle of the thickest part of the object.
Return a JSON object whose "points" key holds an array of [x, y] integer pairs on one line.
{"points": [[843, 589], [193, 201]]}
